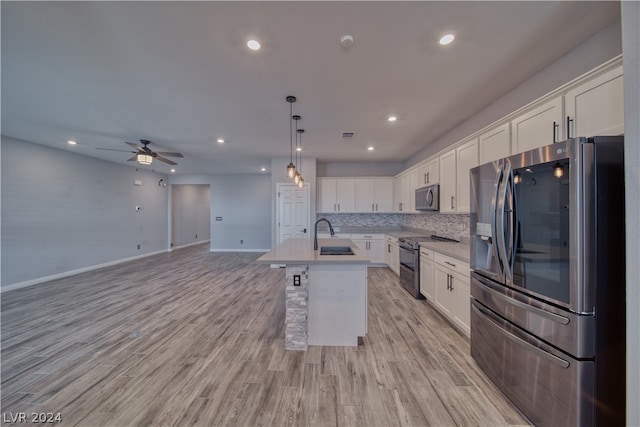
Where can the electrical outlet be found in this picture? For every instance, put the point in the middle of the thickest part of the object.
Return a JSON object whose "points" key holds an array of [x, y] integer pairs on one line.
{"points": [[296, 280], [241, 242]]}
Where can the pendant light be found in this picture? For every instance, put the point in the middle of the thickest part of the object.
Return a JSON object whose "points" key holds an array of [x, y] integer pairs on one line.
{"points": [[517, 178], [301, 180], [296, 174], [291, 168]]}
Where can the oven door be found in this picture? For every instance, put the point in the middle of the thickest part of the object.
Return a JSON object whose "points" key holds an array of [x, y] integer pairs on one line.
{"points": [[409, 273]]}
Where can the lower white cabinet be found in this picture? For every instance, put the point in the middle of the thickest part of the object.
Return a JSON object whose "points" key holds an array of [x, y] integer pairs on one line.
{"points": [[392, 254], [427, 274], [373, 245], [452, 290]]}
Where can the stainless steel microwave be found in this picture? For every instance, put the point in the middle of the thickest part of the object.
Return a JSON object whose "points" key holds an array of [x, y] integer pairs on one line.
{"points": [[428, 198]]}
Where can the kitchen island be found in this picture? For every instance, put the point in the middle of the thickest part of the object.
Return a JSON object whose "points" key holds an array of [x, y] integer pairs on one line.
{"points": [[326, 295]]}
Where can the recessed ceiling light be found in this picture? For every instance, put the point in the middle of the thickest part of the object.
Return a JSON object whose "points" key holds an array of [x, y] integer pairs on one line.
{"points": [[392, 118], [253, 44], [298, 148], [71, 142], [221, 141], [446, 39], [370, 148], [173, 170], [263, 169]]}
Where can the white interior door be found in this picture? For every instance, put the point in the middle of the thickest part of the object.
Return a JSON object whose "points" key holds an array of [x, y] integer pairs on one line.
{"points": [[293, 212]]}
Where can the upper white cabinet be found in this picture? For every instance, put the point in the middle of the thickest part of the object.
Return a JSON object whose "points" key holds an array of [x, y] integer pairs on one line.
{"points": [[374, 195], [408, 192], [466, 158], [397, 194], [428, 173], [448, 182], [454, 177], [540, 126], [495, 143], [597, 106], [336, 195]]}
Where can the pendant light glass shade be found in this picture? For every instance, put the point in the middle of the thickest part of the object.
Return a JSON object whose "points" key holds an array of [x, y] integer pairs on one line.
{"points": [[301, 182], [517, 178], [558, 170], [291, 170]]}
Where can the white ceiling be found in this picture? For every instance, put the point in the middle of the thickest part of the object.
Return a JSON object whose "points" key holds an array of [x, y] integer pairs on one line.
{"points": [[180, 74]]}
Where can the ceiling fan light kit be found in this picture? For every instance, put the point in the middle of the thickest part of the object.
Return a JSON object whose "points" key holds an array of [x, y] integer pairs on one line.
{"points": [[144, 159]]}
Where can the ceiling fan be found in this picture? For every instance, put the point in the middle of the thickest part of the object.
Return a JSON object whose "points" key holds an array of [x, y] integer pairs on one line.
{"points": [[144, 155]]}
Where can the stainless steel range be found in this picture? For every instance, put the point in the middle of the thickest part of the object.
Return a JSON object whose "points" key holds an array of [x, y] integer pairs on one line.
{"points": [[410, 261]]}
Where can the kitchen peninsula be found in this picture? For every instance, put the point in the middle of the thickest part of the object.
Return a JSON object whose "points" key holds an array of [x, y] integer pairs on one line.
{"points": [[326, 294]]}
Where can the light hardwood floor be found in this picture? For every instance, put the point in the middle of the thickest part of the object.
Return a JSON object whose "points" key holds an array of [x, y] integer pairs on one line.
{"points": [[196, 338]]}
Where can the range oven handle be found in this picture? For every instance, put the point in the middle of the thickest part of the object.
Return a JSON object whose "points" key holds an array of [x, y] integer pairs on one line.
{"points": [[538, 311], [492, 318]]}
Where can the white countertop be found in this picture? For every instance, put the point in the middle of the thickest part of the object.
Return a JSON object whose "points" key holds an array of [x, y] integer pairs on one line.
{"points": [[300, 251], [459, 251]]}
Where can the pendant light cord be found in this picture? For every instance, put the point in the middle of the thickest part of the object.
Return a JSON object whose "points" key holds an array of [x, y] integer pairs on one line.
{"points": [[290, 132]]}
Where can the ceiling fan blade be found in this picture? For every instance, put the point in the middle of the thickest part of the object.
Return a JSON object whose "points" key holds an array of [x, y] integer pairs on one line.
{"points": [[170, 154], [113, 149], [162, 159], [140, 149]]}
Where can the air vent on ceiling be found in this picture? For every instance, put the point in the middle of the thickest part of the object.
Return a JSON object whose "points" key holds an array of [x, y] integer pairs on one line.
{"points": [[348, 135]]}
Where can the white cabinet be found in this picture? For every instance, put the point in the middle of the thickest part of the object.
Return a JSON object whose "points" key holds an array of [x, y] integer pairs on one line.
{"points": [[427, 274], [466, 158], [540, 126], [392, 254], [495, 143], [374, 195], [336, 195], [402, 190], [452, 290], [448, 182], [597, 106], [428, 173], [372, 244]]}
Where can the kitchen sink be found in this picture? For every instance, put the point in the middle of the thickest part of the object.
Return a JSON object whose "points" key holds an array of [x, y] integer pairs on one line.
{"points": [[336, 250]]}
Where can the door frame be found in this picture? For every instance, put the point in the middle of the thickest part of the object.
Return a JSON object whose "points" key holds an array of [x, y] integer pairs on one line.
{"points": [[279, 187]]}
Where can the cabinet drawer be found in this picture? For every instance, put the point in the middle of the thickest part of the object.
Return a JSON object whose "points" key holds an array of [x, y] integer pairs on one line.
{"points": [[363, 236], [453, 264], [427, 254]]}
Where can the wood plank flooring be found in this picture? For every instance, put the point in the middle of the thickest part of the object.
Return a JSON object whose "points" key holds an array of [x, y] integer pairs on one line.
{"points": [[196, 338]]}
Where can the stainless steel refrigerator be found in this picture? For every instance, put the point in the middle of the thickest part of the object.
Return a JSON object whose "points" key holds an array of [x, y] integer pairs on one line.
{"points": [[548, 280]]}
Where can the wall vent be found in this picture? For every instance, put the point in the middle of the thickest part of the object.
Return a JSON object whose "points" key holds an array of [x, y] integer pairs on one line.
{"points": [[348, 135]]}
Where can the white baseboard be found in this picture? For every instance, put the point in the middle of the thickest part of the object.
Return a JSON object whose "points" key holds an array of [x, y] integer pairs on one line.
{"points": [[189, 244], [239, 250], [74, 272]]}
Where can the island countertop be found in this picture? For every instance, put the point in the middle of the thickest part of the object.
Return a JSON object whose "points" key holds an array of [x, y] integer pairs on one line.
{"points": [[300, 251]]}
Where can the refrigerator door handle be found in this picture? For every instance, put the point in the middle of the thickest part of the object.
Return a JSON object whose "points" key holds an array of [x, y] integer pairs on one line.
{"points": [[512, 223], [542, 353], [499, 222], [494, 218], [511, 301]]}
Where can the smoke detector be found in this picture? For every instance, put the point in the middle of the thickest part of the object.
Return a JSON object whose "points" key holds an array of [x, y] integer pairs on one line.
{"points": [[346, 40]]}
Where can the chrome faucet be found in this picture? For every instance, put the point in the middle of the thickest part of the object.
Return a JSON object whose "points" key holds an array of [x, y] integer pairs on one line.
{"points": [[315, 232]]}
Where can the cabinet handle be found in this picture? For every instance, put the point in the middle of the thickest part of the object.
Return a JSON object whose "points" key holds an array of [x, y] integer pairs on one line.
{"points": [[428, 179], [388, 248], [555, 128], [448, 282], [373, 209], [400, 204], [452, 207], [448, 263], [451, 288], [425, 178], [569, 121], [376, 207], [334, 207], [338, 207]]}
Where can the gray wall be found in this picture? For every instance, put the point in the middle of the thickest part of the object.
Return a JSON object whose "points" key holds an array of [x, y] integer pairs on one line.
{"points": [[244, 204], [63, 211], [631, 48], [602, 47], [190, 213]]}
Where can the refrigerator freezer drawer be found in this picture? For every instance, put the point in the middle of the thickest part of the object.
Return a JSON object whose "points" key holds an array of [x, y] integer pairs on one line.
{"points": [[549, 387], [563, 329]]}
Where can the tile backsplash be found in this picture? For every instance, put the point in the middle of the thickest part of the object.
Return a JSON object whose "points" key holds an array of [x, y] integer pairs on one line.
{"points": [[454, 226]]}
